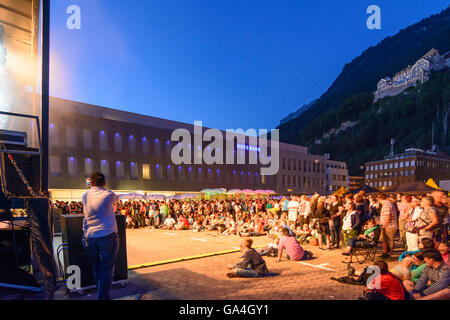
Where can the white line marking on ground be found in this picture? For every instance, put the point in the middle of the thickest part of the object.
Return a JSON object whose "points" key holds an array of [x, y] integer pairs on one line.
{"points": [[204, 240], [236, 248], [170, 234], [320, 266]]}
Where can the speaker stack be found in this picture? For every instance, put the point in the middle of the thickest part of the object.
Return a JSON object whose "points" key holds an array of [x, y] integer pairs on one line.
{"points": [[75, 254]]}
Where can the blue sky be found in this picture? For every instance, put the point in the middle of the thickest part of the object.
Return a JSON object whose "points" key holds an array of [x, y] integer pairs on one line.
{"points": [[232, 64]]}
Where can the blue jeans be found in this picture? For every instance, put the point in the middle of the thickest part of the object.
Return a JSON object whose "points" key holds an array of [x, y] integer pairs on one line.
{"points": [[246, 273], [103, 255]]}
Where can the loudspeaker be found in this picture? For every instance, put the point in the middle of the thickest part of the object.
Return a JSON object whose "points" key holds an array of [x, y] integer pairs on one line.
{"points": [[30, 166], [75, 254], [57, 213]]}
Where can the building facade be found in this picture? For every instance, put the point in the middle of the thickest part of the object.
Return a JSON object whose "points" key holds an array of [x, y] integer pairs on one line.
{"points": [[410, 166], [300, 172], [337, 175], [134, 153], [419, 72]]}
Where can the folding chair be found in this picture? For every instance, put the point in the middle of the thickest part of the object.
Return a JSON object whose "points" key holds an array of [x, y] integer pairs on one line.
{"points": [[368, 253]]}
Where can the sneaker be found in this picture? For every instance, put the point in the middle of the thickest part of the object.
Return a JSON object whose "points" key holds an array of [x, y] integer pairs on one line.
{"points": [[232, 275]]}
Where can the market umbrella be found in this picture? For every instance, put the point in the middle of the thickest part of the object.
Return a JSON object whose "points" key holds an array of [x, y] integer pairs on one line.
{"points": [[233, 191], [342, 190], [248, 191], [432, 184]]}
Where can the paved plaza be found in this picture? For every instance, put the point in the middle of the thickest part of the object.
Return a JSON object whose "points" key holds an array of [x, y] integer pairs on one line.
{"points": [[205, 278]]}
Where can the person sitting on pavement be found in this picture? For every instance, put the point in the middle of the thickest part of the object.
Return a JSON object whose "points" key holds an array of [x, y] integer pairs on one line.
{"points": [[294, 250], [385, 286], [252, 264], [434, 282], [169, 223]]}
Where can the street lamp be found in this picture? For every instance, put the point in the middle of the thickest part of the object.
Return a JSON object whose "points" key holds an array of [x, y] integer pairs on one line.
{"points": [[316, 169]]}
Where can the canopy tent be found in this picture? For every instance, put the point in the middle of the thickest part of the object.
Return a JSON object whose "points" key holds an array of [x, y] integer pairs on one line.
{"points": [[433, 184], [343, 190], [366, 189], [128, 196], [411, 187]]}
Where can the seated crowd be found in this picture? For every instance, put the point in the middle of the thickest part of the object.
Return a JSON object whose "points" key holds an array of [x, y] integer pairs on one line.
{"points": [[348, 222]]}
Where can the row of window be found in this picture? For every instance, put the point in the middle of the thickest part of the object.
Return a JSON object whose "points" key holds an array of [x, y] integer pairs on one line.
{"points": [[336, 166], [391, 174], [301, 182], [392, 165], [412, 163], [157, 172], [381, 184], [155, 146], [293, 164], [338, 177]]}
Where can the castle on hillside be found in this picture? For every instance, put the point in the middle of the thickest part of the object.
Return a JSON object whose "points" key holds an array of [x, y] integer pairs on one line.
{"points": [[419, 72]]}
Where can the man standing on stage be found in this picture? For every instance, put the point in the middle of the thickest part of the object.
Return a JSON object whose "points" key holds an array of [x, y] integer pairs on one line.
{"points": [[100, 233]]}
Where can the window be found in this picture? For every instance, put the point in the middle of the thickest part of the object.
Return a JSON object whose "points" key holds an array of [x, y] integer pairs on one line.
{"points": [[218, 176], [396, 165], [55, 166], [283, 180], [391, 165], [72, 167], [88, 167], [407, 164], [376, 167], [411, 173], [406, 173], [283, 163], [413, 163], [120, 171], [385, 166], [401, 164], [87, 139], [133, 171], [117, 142], [146, 172], [145, 147], [170, 173], [104, 168], [131, 144], [299, 165], [71, 138], [289, 164], [54, 138], [210, 176], [157, 148], [103, 141], [168, 148], [159, 173]]}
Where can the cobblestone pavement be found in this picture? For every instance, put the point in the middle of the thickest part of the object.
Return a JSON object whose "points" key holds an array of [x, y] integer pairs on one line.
{"points": [[205, 278]]}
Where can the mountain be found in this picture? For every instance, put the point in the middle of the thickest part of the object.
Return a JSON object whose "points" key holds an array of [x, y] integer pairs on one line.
{"points": [[295, 114], [352, 91]]}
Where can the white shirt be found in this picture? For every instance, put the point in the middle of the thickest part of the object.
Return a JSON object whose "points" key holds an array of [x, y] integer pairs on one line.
{"points": [[99, 219], [293, 209], [347, 222], [169, 222]]}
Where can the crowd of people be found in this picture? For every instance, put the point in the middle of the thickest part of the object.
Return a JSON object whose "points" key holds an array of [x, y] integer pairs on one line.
{"points": [[347, 222]]}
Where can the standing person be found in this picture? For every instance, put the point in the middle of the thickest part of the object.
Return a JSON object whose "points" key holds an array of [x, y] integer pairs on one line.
{"points": [[321, 217], [389, 225], [335, 217], [413, 214], [403, 207], [428, 219], [440, 205], [293, 211], [304, 210], [100, 233]]}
